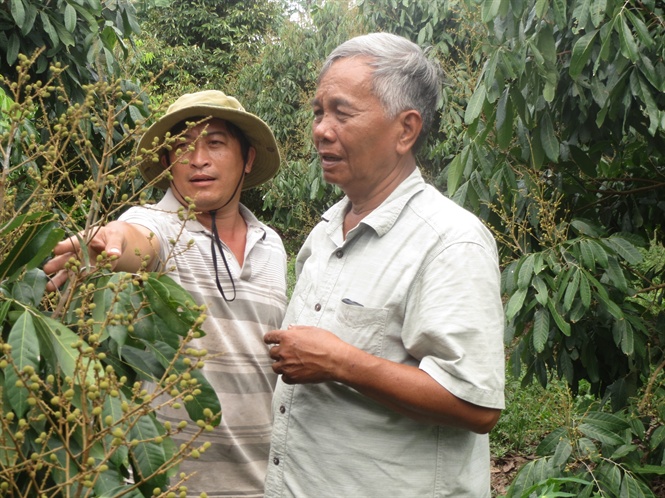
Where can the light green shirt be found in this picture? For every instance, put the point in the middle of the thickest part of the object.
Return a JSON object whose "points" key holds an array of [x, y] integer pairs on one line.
{"points": [[424, 277]]}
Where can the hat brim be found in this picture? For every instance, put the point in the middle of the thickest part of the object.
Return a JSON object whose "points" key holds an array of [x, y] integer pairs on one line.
{"points": [[267, 160]]}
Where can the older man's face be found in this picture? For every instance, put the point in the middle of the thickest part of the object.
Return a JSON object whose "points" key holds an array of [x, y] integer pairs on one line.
{"points": [[354, 138]]}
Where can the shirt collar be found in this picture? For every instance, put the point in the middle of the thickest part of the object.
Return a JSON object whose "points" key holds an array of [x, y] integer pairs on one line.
{"points": [[382, 219], [171, 204]]}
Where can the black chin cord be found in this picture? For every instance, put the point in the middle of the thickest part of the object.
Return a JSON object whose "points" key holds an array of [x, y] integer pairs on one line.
{"points": [[216, 241]]}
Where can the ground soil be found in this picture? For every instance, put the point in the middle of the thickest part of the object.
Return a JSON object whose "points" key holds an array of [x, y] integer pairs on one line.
{"points": [[503, 471]]}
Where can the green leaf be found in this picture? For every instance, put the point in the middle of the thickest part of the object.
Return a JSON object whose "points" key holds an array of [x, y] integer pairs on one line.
{"points": [[25, 353], [542, 293], [515, 303], [121, 490], [541, 8], [581, 53], [581, 15], [536, 471], [583, 160], [29, 290], [641, 29], [65, 36], [571, 291], [548, 138], [4, 309], [585, 291], [627, 41], [597, 11], [584, 228], [616, 275], [560, 14], [18, 12], [601, 434], [649, 469], [625, 249], [586, 253], [525, 272], [587, 447], [537, 152], [550, 442], [627, 337], [49, 29], [631, 488], [70, 18], [60, 340], [456, 171], [566, 368], [13, 47], [607, 421], [657, 437], [490, 10], [112, 407], [651, 107], [475, 105], [563, 451], [610, 305], [30, 16], [562, 324], [167, 308], [149, 456], [599, 252], [34, 245], [622, 451], [146, 365], [541, 329], [504, 120]]}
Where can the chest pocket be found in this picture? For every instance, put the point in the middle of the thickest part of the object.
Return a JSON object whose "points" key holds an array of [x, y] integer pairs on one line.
{"points": [[362, 327]]}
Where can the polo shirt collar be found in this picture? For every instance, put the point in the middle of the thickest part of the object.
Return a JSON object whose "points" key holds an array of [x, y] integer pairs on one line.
{"points": [[382, 219], [171, 204]]}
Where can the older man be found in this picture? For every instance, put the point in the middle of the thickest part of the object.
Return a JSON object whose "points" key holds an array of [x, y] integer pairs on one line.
{"points": [[391, 360], [208, 149]]}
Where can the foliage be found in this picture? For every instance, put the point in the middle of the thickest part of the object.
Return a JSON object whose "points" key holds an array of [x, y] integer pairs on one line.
{"points": [[531, 412], [202, 41], [81, 36], [75, 415], [563, 157], [598, 454]]}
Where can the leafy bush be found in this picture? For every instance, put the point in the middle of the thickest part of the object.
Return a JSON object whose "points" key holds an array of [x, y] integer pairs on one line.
{"points": [[76, 414], [597, 454]]}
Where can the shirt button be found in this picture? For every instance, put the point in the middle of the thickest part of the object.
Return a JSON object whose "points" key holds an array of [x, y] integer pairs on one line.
{"points": [[339, 253], [317, 307], [282, 409], [275, 461]]}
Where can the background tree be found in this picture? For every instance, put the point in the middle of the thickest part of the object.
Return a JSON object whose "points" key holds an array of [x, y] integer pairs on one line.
{"points": [[203, 41], [81, 37], [85, 42], [566, 142], [563, 156], [75, 417]]}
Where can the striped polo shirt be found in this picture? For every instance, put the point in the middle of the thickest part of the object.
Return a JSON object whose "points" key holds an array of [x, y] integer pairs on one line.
{"points": [[239, 368]]}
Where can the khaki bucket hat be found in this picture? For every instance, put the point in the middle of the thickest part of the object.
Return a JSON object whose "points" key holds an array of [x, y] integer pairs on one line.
{"points": [[214, 104]]}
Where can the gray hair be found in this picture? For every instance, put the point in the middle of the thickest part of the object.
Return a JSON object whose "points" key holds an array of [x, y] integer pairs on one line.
{"points": [[403, 77]]}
